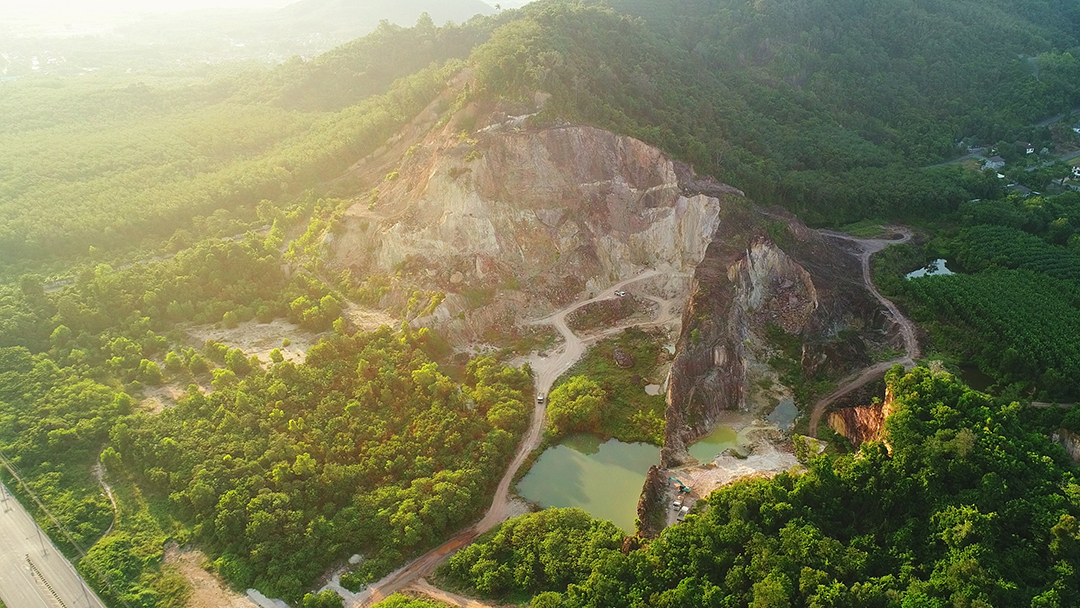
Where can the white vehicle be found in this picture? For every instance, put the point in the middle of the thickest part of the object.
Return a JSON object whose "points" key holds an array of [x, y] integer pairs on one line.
{"points": [[677, 504], [621, 293], [682, 512], [540, 398]]}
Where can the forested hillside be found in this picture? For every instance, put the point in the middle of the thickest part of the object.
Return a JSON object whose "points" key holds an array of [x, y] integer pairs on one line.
{"points": [[966, 506], [108, 163], [779, 102], [1012, 310], [366, 446], [829, 109]]}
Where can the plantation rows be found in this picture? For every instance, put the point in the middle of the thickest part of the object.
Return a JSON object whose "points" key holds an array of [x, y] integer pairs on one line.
{"points": [[980, 247], [1022, 325]]}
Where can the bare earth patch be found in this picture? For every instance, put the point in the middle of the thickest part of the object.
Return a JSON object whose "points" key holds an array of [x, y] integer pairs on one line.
{"points": [[207, 590], [368, 320], [258, 339], [157, 398]]}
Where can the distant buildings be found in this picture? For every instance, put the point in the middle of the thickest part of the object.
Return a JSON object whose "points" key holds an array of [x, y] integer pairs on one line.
{"points": [[994, 162]]}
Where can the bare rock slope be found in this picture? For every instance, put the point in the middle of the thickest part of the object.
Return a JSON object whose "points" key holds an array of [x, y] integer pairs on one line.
{"points": [[764, 272], [541, 216]]}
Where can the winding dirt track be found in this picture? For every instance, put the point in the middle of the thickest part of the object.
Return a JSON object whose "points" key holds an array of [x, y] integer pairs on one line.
{"points": [[867, 248], [545, 371]]}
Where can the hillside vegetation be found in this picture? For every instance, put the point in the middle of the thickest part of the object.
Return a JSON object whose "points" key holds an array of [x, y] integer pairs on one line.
{"points": [[967, 508], [827, 108]]}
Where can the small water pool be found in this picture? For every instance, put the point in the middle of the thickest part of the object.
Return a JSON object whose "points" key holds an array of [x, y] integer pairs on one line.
{"points": [[711, 445], [935, 268], [975, 378], [603, 478], [784, 414]]}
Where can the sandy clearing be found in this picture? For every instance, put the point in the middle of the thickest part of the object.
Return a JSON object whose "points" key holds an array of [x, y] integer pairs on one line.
{"points": [[365, 319], [769, 457], [207, 590], [259, 339], [157, 398], [422, 587]]}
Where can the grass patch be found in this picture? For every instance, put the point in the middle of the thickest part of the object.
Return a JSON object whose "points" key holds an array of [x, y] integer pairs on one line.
{"points": [[478, 297], [142, 528], [864, 229], [629, 414], [787, 361], [529, 339], [603, 313]]}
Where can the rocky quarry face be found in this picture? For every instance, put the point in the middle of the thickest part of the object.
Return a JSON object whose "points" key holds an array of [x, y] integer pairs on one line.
{"points": [[543, 217], [863, 423], [1070, 441], [513, 224], [763, 271]]}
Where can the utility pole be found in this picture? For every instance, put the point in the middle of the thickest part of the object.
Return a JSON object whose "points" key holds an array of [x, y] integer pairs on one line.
{"points": [[82, 583], [40, 540]]}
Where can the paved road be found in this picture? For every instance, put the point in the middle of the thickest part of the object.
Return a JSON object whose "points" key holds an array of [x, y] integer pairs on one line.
{"points": [[33, 574]]}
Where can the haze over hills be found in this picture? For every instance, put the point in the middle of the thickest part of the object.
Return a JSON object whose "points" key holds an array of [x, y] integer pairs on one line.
{"points": [[71, 43], [349, 18]]}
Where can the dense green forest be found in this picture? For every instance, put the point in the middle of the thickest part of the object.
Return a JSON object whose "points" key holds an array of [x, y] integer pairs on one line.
{"points": [[107, 162], [775, 99], [968, 505], [367, 446], [251, 467]]}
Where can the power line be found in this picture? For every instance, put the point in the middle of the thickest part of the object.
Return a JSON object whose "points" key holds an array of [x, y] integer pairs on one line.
{"points": [[82, 554]]}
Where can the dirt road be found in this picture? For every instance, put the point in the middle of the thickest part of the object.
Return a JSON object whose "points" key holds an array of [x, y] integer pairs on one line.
{"points": [[545, 371], [423, 587], [867, 248]]}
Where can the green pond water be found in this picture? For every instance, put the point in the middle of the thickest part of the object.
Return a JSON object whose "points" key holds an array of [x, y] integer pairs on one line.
{"points": [[603, 479], [710, 446]]}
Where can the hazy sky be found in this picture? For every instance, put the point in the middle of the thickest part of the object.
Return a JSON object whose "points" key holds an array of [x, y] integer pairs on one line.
{"points": [[111, 6]]}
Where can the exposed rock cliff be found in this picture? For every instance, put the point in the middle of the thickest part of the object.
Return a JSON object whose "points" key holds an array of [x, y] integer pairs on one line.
{"points": [[512, 222], [762, 270], [551, 214], [1070, 441], [652, 504], [863, 423]]}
